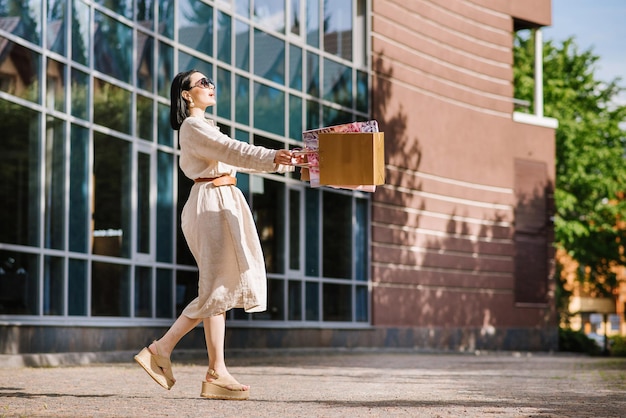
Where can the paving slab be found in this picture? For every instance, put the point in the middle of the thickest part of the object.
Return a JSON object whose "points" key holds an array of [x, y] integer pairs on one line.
{"points": [[328, 384]]}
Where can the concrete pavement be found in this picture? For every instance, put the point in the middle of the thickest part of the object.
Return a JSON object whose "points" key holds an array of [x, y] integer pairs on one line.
{"points": [[328, 384]]}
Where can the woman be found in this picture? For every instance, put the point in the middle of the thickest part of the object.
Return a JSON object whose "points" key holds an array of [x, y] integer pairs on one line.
{"points": [[220, 231]]}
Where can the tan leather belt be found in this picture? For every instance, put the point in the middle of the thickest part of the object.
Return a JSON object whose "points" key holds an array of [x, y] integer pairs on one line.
{"points": [[218, 181]]}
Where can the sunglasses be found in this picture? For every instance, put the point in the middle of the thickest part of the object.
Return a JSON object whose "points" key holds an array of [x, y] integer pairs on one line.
{"points": [[204, 83]]}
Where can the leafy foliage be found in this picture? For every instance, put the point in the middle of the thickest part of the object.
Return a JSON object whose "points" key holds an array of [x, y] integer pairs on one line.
{"points": [[590, 156]]}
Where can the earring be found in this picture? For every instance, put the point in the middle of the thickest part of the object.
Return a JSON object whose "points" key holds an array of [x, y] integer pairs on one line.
{"points": [[191, 103]]}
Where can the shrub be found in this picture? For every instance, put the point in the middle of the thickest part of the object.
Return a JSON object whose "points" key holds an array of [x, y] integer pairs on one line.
{"points": [[618, 346], [577, 342]]}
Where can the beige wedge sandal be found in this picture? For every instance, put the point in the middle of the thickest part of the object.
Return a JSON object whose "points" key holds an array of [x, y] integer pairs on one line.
{"points": [[157, 366], [223, 388]]}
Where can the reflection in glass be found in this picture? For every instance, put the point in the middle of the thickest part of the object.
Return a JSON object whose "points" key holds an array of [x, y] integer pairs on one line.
{"points": [[188, 62], [143, 292], [113, 47], [195, 26], [312, 222], [295, 117], [294, 229], [337, 235], [337, 83], [242, 45], [143, 203], [362, 303], [164, 130], [268, 208], [19, 283], [54, 184], [123, 7], [338, 28], [80, 94], [23, 19], [55, 85], [361, 239], [164, 209], [243, 7], [166, 18], [19, 169], [362, 92], [313, 22], [242, 100], [145, 13], [144, 117], [313, 74], [312, 114], [295, 301], [144, 58], [164, 294], [112, 196], [25, 82], [312, 301], [269, 57], [269, 109], [81, 33], [294, 17], [165, 69], [224, 33], [53, 285], [295, 67], [112, 106], [337, 300], [110, 289], [333, 116], [223, 93], [79, 178], [270, 14], [55, 26]]}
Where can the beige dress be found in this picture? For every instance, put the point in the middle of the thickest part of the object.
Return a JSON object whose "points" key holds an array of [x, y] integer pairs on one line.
{"points": [[217, 222]]}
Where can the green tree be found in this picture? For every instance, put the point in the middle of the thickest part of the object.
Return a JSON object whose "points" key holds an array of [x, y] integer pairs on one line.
{"points": [[590, 186]]}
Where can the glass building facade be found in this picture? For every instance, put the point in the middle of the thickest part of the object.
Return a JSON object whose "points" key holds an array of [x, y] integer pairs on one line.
{"points": [[90, 187]]}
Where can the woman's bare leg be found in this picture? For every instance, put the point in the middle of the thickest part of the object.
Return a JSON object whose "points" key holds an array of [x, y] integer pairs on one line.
{"points": [[178, 330], [214, 333]]}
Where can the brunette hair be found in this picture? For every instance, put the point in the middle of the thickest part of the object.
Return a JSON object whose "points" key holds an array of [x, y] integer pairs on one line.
{"points": [[179, 110]]}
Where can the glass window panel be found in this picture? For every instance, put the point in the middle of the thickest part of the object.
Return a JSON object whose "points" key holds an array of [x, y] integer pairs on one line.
{"points": [[123, 7], [270, 14], [81, 33], [243, 7], [166, 18], [55, 85], [195, 25], [295, 67], [183, 255], [294, 17], [53, 285], [224, 35], [19, 182], [268, 207], [269, 57], [312, 301], [361, 239], [313, 74], [275, 302], [79, 219], [112, 106], [294, 229], [337, 235], [295, 301], [143, 292], [188, 62], [145, 13], [80, 94], [112, 196], [312, 231], [313, 22], [334, 116], [55, 26], [312, 114], [165, 206], [269, 109], [242, 100], [25, 82], [223, 93], [19, 283], [77, 287], [144, 61], [144, 117], [165, 133], [165, 69], [338, 28], [28, 24], [164, 295], [242, 45], [243, 184], [186, 289], [113, 47], [143, 203], [337, 83], [362, 92], [54, 185], [337, 299], [295, 117], [110, 289], [362, 298]]}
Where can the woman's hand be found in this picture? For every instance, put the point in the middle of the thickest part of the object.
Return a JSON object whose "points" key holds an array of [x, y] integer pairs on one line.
{"points": [[283, 157]]}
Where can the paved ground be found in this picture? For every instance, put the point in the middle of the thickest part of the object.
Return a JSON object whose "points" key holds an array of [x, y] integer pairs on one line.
{"points": [[331, 384]]}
